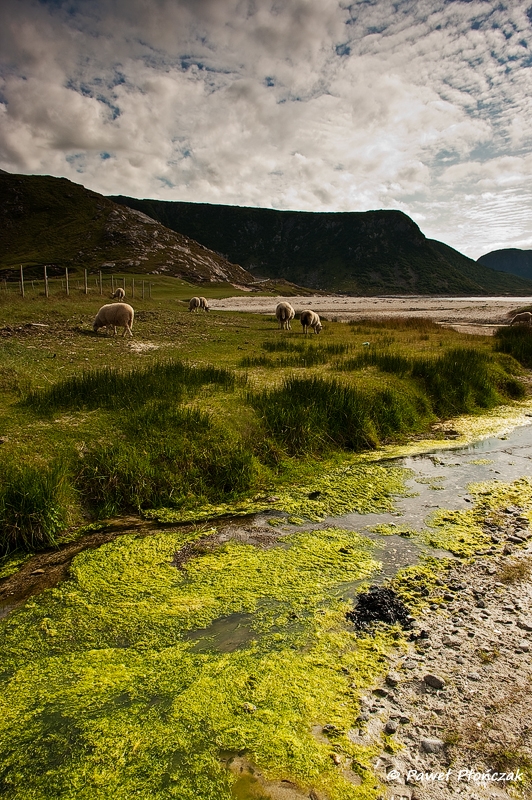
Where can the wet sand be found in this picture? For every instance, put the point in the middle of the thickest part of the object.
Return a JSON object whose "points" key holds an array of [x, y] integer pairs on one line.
{"points": [[476, 315]]}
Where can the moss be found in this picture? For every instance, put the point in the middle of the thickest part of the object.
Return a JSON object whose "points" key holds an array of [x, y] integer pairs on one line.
{"points": [[351, 488], [459, 532], [417, 583], [105, 694]]}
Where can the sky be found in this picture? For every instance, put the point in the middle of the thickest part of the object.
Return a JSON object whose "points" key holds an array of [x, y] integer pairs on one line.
{"points": [[316, 105]]}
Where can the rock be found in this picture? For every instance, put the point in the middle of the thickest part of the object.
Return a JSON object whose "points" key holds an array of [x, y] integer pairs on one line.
{"points": [[451, 641], [473, 676], [249, 707], [448, 596], [392, 679], [432, 745], [409, 664], [38, 572], [434, 681], [391, 726], [331, 730], [524, 624]]}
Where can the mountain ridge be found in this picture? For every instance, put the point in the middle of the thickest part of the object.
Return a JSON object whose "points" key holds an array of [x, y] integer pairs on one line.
{"points": [[510, 259], [368, 252]]}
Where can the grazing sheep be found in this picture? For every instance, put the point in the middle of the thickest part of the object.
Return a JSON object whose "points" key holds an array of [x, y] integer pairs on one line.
{"points": [[119, 293], [285, 313], [197, 304], [524, 318], [113, 315], [309, 319]]}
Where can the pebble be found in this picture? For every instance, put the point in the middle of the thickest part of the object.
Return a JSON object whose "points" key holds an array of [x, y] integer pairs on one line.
{"points": [[434, 681], [432, 745], [391, 726], [473, 676], [392, 679]]}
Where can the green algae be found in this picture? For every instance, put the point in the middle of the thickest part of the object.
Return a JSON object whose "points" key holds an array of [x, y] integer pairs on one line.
{"points": [[361, 488], [103, 694], [417, 583]]}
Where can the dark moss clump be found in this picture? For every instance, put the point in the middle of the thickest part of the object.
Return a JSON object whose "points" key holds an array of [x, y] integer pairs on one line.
{"points": [[379, 605]]}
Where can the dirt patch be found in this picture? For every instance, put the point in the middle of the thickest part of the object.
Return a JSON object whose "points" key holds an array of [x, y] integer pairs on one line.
{"points": [[457, 706]]}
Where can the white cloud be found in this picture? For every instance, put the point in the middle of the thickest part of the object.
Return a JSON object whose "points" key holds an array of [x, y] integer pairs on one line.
{"points": [[309, 104]]}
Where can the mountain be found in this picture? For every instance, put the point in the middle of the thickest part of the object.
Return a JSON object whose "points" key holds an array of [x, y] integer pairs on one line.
{"points": [[368, 253], [513, 260], [51, 221]]}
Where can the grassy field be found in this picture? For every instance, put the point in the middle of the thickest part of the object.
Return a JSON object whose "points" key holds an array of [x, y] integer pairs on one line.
{"points": [[207, 408], [123, 680]]}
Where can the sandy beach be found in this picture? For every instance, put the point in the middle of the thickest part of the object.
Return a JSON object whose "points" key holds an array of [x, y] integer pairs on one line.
{"points": [[476, 315]]}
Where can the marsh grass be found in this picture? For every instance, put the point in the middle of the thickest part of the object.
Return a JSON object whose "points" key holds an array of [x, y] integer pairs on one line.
{"points": [[517, 342], [295, 354], [422, 324], [169, 456], [315, 415], [36, 504], [460, 380], [116, 389]]}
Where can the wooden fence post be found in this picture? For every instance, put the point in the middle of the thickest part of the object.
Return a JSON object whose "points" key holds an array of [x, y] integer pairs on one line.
{"points": [[21, 281], [46, 290], [86, 282], [132, 288], [66, 281], [143, 290], [101, 283]]}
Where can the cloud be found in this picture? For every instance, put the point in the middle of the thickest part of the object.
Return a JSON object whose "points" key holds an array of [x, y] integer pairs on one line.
{"points": [[309, 104]]}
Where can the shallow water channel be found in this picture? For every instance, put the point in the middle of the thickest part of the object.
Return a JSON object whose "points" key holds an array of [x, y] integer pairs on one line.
{"points": [[439, 479]]}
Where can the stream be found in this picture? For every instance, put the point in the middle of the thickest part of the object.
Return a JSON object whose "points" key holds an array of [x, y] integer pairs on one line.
{"points": [[438, 479]]}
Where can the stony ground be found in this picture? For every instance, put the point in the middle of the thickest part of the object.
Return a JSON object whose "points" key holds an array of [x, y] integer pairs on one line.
{"points": [[458, 704]]}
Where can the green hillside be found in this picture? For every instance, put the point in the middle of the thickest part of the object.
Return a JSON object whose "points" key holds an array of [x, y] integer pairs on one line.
{"points": [[372, 252], [51, 221]]}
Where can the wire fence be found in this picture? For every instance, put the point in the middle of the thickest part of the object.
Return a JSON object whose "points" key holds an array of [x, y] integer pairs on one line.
{"points": [[104, 285]]}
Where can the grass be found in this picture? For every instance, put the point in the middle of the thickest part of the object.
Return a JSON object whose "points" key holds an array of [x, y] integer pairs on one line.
{"points": [[202, 409], [35, 506], [517, 341], [119, 680]]}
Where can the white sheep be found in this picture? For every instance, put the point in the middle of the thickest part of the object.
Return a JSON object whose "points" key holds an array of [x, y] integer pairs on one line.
{"points": [[198, 304], [113, 315], [119, 293], [309, 319], [285, 313], [524, 318]]}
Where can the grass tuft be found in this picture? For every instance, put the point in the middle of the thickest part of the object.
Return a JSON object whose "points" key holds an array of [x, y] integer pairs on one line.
{"points": [[35, 506], [116, 389]]}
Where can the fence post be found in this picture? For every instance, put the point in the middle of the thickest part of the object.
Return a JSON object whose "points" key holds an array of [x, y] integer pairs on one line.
{"points": [[150, 291], [132, 288], [143, 290], [112, 284], [66, 281], [21, 281], [86, 282], [46, 290], [101, 284]]}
